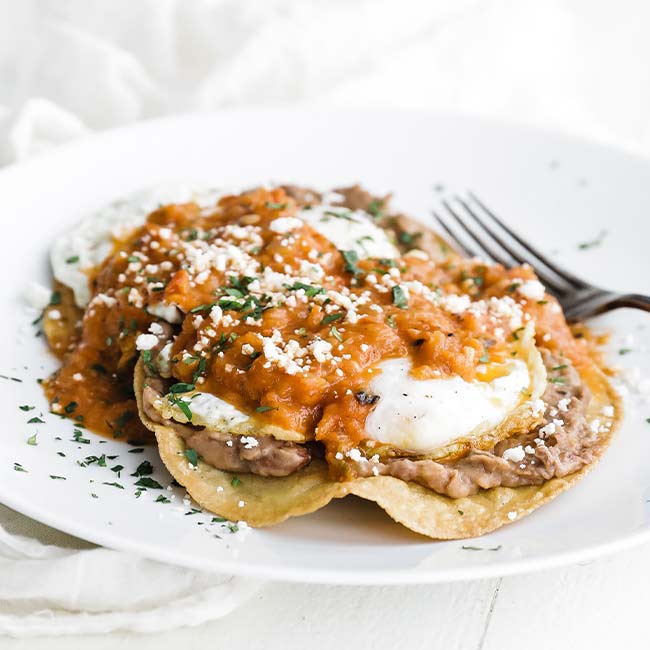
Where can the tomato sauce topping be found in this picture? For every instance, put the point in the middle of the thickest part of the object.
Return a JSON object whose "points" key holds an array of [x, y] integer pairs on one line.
{"points": [[266, 313]]}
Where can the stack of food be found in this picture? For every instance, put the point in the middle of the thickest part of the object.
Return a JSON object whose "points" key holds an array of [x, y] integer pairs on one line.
{"points": [[288, 347]]}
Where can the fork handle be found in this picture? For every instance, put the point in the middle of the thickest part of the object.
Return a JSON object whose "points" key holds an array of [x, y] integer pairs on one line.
{"points": [[601, 302], [634, 300]]}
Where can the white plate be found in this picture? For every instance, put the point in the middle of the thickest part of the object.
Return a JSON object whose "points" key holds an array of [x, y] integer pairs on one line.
{"points": [[558, 191]]}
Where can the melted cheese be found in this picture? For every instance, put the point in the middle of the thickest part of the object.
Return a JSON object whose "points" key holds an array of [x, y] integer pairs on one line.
{"points": [[423, 415]]}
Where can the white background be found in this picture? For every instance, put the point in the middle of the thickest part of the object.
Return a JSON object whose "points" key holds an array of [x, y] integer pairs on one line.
{"points": [[582, 66]]}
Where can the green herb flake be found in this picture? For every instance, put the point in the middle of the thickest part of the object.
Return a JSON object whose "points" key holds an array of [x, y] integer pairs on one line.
{"points": [[597, 241], [264, 409], [35, 420], [192, 457], [161, 498], [148, 482], [58, 478], [119, 486], [391, 321], [26, 407], [55, 298], [19, 468], [181, 387], [77, 436], [399, 297], [330, 318], [482, 548], [408, 238], [270, 205], [72, 260], [623, 351], [485, 357], [350, 259], [336, 334], [235, 482], [32, 440]]}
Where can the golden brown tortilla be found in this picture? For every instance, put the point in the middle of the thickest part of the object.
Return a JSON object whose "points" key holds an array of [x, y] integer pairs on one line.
{"points": [[267, 501]]}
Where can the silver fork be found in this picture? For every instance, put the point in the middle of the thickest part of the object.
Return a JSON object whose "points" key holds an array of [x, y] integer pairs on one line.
{"points": [[488, 237]]}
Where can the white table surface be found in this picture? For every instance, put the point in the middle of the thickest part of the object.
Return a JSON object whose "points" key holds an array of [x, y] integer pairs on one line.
{"points": [[603, 604], [576, 65]]}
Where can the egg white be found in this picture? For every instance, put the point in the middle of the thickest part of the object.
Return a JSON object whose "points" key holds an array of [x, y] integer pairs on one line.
{"points": [[424, 415]]}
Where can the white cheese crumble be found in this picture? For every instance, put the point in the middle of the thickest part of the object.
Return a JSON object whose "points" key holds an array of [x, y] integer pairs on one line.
{"points": [[146, 341], [515, 454], [532, 289], [285, 224]]}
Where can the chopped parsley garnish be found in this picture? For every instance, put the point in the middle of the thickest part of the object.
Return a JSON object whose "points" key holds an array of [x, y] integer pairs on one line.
{"points": [[132, 259], [32, 440], [557, 380], [192, 457], [347, 215], [19, 468], [35, 420], [264, 409], [336, 334], [515, 334], [558, 368], [275, 206], [235, 482], [124, 418], [330, 318], [350, 259], [148, 482], [218, 520], [623, 351], [55, 298], [183, 406], [408, 238], [161, 498], [114, 484], [26, 407], [512, 287], [481, 548], [485, 357], [399, 297], [72, 260], [181, 387], [77, 436], [117, 469], [137, 450], [147, 360], [59, 478], [594, 242], [310, 291], [203, 307], [391, 321], [375, 208], [145, 468]]}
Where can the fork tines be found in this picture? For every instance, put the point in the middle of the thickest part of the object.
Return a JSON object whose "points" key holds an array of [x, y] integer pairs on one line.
{"points": [[478, 232]]}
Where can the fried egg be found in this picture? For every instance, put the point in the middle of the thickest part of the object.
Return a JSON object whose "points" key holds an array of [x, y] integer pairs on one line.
{"points": [[424, 415]]}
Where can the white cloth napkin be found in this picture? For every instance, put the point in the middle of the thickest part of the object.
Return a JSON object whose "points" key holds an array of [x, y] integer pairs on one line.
{"points": [[68, 68], [66, 586]]}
